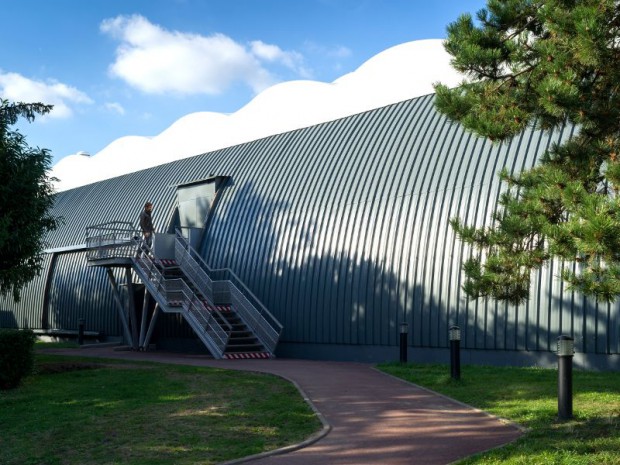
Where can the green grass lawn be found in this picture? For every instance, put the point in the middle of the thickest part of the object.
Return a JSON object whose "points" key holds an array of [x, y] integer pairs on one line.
{"points": [[77, 411], [528, 396]]}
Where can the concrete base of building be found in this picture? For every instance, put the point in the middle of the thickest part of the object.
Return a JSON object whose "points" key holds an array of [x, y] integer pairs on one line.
{"points": [[378, 354]]}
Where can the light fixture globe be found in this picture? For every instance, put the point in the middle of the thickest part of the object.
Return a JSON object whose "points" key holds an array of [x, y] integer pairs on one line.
{"points": [[566, 346]]}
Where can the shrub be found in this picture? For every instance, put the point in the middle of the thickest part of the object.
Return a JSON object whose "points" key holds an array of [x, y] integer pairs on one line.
{"points": [[16, 356]]}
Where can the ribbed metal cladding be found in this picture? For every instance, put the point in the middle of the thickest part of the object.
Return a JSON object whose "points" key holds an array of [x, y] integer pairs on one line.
{"points": [[26, 313], [87, 297], [341, 229]]}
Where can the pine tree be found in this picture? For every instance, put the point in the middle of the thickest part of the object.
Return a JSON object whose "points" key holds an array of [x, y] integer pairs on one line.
{"points": [[544, 64], [26, 195]]}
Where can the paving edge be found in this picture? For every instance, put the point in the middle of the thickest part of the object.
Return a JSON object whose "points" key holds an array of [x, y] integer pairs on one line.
{"points": [[505, 421], [293, 447]]}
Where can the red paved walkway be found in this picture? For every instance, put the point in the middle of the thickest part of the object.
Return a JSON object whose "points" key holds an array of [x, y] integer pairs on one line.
{"points": [[374, 418]]}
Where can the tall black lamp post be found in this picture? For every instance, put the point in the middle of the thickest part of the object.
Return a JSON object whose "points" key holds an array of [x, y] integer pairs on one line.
{"points": [[404, 331], [454, 334], [566, 350]]}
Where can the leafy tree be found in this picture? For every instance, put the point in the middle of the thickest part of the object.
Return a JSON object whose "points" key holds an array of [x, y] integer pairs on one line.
{"points": [[26, 195], [546, 64]]}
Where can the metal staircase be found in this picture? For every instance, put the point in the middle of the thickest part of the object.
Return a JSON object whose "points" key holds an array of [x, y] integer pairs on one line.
{"points": [[229, 320]]}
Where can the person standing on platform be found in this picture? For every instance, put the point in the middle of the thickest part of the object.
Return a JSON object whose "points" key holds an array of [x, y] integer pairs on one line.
{"points": [[146, 225]]}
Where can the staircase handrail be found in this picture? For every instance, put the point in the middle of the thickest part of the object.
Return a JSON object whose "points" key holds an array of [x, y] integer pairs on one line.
{"points": [[118, 235], [120, 231], [240, 285], [120, 239], [270, 327], [194, 306], [229, 275], [177, 289]]}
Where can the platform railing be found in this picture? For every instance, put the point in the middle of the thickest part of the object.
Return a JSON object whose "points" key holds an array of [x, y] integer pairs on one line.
{"points": [[121, 240], [116, 239]]}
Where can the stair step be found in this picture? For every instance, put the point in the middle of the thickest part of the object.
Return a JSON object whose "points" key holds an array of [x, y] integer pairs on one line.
{"points": [[243, 340], [168, 274], [236, 345], [242, 343], [236, 348], [220, 308], [241, 333], [247, 355], [237, 326]]}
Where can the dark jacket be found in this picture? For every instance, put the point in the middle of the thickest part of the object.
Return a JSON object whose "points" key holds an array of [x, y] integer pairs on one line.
{"points": [[146, 222]]}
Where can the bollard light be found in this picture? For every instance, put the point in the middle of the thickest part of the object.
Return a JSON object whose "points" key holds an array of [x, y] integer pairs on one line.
{"points": [[81, 323], [454, 334], [404, 331], [566, 350], [566, 346]]}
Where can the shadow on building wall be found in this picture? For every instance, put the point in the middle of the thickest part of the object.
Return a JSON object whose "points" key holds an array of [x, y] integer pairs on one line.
{"points": [[7, 320], [78, 291], [322, 290]]}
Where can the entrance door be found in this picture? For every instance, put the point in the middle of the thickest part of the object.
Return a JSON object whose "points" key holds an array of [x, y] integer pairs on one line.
{"points": [[194, 201]]}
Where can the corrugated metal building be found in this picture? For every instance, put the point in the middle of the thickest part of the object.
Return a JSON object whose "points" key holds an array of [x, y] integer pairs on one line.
{"points": [[341, 229]]}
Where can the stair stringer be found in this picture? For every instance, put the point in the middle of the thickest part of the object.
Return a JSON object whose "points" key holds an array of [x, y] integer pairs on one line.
{"points": [[168, 293], [261, 323]]}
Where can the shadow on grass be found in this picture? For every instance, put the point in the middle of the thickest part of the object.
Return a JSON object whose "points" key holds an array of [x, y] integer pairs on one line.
{"points": [[89, 413]]}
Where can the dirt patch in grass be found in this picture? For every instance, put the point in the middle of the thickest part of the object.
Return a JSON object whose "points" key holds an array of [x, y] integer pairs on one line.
{"points": [[48, 368]]}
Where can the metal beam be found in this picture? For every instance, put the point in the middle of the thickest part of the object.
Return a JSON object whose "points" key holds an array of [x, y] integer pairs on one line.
{"points": [[133, 319], [149, 333], [121, 308], [145, 306]]}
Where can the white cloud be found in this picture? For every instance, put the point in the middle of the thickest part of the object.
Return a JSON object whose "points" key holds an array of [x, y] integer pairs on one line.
{"points": [[115, 107], [339, 52], [17, 88], [399, 73], [274, 54], [155, 60]]}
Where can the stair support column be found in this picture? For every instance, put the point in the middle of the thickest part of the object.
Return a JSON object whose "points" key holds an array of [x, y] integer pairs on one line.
{"points": [[120, 306], [145, 306], [133, 318], [149, 333]]}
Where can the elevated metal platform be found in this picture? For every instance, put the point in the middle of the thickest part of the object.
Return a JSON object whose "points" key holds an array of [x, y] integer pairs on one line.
{"points": [[229, 320]]}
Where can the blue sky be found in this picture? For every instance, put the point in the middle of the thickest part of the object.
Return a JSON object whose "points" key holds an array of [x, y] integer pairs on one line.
{"points": [[114, 68]]}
